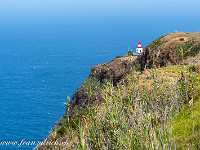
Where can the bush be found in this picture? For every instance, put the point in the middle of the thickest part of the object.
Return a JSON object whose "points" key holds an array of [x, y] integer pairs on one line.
{"points": [[130, 53], [184, 49], [158, 42], [118, 56], [195, 50]]}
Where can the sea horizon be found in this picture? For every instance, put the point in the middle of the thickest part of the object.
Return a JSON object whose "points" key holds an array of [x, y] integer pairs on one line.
{"points": [[44, 60]]}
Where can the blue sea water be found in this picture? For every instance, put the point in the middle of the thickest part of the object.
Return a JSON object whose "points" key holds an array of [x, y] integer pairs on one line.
{"points": [[43, 63]]}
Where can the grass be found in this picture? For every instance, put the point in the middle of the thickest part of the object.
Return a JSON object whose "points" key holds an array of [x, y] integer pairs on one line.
{"points": [[148, 110], [194, 50], [186, 127], [158, 108], [74, 121], [158, 42], [189, 49]]}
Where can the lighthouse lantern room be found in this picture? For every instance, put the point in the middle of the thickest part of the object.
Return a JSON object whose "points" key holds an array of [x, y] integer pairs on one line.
{"points": [[139, 49]]}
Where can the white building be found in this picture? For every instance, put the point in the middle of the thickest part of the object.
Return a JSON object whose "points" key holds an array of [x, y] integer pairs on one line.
{"points": [[139, 49]]}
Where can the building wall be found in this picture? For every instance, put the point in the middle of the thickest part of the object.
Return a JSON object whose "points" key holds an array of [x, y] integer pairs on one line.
{"points": [[139, 50]]}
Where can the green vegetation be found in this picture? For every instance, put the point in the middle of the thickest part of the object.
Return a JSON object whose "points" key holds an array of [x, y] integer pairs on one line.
{"points": [[189, 49], [157, 108], [186, 48], [194, 50], [158, 42], [129, 53], [118, 56], [142, 112], [74, 121], [186, 127]]}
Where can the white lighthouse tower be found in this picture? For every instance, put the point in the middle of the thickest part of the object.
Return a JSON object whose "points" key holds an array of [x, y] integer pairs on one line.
{"points": [[139, 49]]}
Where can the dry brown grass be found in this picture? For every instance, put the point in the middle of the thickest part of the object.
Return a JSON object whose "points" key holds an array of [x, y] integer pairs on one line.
{"points": [[193, 60]]}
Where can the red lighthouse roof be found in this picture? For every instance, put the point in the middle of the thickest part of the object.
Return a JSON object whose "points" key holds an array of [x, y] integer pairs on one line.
{"points": [[139, 45]]}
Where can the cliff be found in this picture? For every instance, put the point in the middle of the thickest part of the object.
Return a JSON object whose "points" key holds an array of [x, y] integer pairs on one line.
{"points": [[90, 91], [130, 102]]}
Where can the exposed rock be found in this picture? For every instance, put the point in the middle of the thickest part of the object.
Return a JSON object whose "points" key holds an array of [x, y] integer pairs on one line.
{"points": [[164, 50], [113, 70], [100, 74], [160, 52]]}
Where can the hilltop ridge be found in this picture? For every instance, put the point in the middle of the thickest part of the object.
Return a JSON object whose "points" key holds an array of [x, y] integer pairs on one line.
{"points": [[165, 49]]}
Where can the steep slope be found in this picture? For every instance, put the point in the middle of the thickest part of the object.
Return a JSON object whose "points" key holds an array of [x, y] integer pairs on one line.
{"points": [[90, 91], [160, 52], [118, 99]]}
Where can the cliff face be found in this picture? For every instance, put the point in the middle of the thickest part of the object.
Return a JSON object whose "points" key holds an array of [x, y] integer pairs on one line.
{"points": [[114, 70], [161, 52], [89, 93]]}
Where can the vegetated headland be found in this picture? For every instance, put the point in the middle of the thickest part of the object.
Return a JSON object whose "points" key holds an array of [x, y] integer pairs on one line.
{"points": [[150, 101]]}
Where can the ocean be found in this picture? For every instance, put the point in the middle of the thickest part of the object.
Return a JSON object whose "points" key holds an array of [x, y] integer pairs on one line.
{"points": [[43, 63]]}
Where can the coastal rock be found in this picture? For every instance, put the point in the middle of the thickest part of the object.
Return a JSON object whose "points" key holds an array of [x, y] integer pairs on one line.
{"points": [[161, 52], [100, 74]]}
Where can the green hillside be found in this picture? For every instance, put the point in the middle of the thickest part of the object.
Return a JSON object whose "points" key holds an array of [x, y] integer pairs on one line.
{"points": [[147, 102]]}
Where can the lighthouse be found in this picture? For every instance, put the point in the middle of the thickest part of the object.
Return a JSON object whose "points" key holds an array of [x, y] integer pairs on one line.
{"points": [[139, 49]]}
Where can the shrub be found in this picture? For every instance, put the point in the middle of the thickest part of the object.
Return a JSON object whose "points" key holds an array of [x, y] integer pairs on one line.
{"points": [[118, 56], [130, 53], [195, 50], [158, 42], [184, 49]]}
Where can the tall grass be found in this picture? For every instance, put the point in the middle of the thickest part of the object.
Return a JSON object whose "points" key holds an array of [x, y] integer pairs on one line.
{"points": [[139, 113]]}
